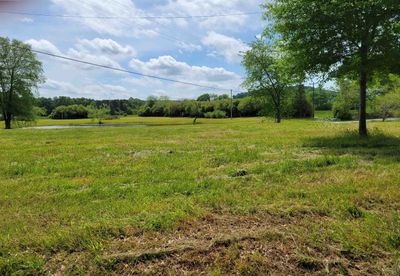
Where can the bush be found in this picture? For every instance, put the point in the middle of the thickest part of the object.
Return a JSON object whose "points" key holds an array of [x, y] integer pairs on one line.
{"points": [[342, 113], [99, 113], [300, 106], [249, 106], [346, 101], [217, 114], [69, 112], [144, 111], [388, 105]]}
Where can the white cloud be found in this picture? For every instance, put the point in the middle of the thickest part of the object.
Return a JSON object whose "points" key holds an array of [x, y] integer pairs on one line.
{"points": [[106, 46], [228, 47], [168, 66], [112, 25], [189, 47], [61, 88], [212, 7], [83, 54], [126, 86], [26, 20], [93, 58], [43, 45], [94, 91]]}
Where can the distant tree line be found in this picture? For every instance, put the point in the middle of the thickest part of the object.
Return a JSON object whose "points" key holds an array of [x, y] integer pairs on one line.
{"points": [[383, 96], [77, 108], [298, 104]]}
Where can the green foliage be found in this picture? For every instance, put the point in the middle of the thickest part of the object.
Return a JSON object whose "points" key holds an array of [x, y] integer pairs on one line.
{"points": [[267, 75], [39, 111], [217, 114], [357, 39], [310, 28], [385, 96], [383, 84], [388, 105], [204, 98], [98, 113], [70, 112], [300, 106], [117, 107], [346, 101], [191, 108], [250, 106], [20, 73], [323, 98]]}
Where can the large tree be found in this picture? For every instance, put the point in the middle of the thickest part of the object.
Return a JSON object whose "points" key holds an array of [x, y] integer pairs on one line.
{"points": [[355, 38], [267, 75], [20, 73]]}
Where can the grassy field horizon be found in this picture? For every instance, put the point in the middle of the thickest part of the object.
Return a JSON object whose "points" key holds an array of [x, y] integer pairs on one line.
{"points": [[243, 196]]}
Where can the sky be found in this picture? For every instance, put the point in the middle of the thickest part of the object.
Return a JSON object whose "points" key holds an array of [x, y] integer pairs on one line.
{"points": [[205, 51]]}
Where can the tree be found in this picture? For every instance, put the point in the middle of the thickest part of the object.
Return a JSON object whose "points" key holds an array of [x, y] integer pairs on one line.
{"points": [[204, 98], [350, 38], [70, 112], [346, 100], [20, 73], [267, 75], [223, 97], [301, 107], [249, 106], [388, 104], [98, 113]]}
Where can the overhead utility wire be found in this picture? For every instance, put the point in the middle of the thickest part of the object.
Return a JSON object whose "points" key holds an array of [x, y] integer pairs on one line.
{"points": [[131, 72], [129, 17]]}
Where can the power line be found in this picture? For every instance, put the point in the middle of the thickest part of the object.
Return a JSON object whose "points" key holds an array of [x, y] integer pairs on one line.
{"points": [[129, 17], [131, 72]]}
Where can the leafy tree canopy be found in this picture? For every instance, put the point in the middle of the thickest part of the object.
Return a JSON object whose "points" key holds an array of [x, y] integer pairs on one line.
{"points": [[357, 38], [20, 73]]}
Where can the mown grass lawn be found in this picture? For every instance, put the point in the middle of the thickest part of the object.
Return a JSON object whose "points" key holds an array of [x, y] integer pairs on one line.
{"points": [[243, 196]]}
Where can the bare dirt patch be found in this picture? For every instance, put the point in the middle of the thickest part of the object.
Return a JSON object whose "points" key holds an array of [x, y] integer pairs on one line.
{"points": [[222, 244]]}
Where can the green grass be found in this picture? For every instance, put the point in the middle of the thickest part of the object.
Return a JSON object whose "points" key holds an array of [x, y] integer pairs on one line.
{"points": [[73, 191], [121, 120], [323, 114]]}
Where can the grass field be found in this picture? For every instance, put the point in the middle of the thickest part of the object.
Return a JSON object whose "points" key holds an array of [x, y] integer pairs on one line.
{"points": [[242, 196], [324, 114]]}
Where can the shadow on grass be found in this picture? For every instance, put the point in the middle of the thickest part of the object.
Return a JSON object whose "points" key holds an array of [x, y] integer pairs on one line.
{"points": [[377, 144]]}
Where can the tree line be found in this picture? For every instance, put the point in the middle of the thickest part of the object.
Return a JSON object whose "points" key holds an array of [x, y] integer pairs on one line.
{"points": [[298, 105], [53, 107], [383, 101]]}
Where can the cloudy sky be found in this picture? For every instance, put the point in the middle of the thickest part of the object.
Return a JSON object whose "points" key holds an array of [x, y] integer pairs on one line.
{"points": [[136, 35]]}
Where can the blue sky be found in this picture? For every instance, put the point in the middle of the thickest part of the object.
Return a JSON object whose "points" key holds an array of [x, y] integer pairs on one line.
{"points": [[200, 50]]}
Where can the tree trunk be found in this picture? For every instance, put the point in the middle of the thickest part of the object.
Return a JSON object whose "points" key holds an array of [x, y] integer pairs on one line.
{"points": [[278, 116], [363, 105], [362, 130], [7, 120]]}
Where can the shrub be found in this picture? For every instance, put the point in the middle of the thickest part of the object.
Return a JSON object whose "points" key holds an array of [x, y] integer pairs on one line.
{"points": [[249, 106], [342, 113], [346, 101], [217, 114], [69, 112], [144, 111], [300, 106], [388, 105], [99, 113]]}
